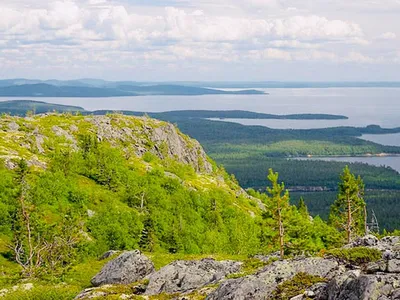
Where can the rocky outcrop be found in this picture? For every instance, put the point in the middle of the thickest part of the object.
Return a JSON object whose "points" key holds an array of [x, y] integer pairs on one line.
{"points": [[127, 268], [378, 280], [353, 286], [340, 280], [185, 276], [262, 284], [134, 135], [163, 139]]}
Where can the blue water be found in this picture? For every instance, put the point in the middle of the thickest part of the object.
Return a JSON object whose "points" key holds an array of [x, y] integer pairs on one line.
{"points": [[363, 106]]}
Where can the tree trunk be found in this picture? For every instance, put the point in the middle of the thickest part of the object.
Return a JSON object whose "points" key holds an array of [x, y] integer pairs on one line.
{"points": [[348, 229], [365, 220], [281, 234]]}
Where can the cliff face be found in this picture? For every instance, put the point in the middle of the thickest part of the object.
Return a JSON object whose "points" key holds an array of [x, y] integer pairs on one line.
{"points": [[33, 138]]}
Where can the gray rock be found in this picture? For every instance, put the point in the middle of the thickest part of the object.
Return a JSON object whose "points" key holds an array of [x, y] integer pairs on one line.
{"points": [[267, 258], [393, 266], [390, 241], [12, 126], [184, 276], [373, 267], [185, 150], [298, 297], [316, 289], [396, 294], [92, 293], [108, 254], [262, 284], [366, 241], [39, 143], [127, 268], [162, 139], [368, 287]]}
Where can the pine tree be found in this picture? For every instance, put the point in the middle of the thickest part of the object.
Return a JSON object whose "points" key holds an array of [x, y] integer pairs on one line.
{"points": [[279, 198], [347, 212]]}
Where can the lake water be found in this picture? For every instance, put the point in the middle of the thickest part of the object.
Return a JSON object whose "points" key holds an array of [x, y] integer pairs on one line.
{"points": [[383, 139], [363, 106]]}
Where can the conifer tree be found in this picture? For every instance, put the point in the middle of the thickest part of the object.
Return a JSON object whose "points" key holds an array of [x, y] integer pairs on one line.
{"points": [[279, 198], [347, 212], [146, 242], [302, 207]]}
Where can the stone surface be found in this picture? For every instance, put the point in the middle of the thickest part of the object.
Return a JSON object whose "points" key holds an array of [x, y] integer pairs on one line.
{"points": [[127, 268], [262, 284], [363, 287], [396, 294], [393, 266], [378, 266], [366, 241], [108, 254], [12, 126], [183, 276]]}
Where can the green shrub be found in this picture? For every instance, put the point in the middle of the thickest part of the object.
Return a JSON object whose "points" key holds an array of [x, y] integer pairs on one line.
{"points": [[45, 293], [295, 286], [358, 255]]}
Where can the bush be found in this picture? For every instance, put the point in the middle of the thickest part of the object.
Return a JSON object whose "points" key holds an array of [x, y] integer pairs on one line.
{"points": [[358, 255], [295, 286]]}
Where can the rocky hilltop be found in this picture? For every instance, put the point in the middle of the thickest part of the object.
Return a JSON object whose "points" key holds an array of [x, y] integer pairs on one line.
{"points": [[33, 138], [329, 277]]}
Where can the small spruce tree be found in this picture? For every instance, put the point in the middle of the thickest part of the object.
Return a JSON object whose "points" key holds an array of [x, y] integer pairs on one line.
{"points": [[279, 198], [347, 212], [302, 207]]}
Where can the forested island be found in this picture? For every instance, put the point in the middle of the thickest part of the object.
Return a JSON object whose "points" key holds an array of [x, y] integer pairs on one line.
{"points": [[123, 90]]}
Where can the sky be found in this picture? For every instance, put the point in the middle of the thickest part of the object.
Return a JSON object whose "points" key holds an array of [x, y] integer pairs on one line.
{"points": [[201, 40]]}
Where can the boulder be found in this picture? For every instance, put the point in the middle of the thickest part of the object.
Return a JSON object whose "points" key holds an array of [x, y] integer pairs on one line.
{"points": [[12, 126], [368, 287], [393, 266], [108, 254], [378, 266], [185, 276], [262, 284], [396, 294], [366, 241], [127, 268]]}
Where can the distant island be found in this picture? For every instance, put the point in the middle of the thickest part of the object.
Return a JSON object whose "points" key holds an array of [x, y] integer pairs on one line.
{"points": [[22, 107], [28, 88], [229, 114]]}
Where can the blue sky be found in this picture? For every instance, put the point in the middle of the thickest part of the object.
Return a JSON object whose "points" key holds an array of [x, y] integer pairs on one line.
{"points": [[201, 40]]}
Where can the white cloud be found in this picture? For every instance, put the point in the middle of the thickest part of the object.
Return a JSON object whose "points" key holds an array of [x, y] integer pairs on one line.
{"points": [[293, 44], [388, 36], [204, 33]]}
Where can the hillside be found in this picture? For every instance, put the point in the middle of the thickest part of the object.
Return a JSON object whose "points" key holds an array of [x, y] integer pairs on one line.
{"points": [[97, 183]]}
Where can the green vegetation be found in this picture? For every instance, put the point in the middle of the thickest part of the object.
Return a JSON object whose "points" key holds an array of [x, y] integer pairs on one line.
{"points": [[295, 286], [26, 107], [94, 196], [279, 199], [358, 255], [348, 212]]}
